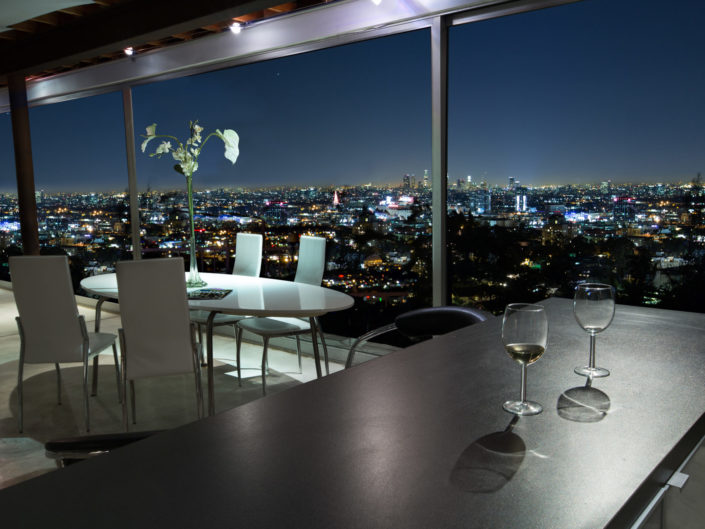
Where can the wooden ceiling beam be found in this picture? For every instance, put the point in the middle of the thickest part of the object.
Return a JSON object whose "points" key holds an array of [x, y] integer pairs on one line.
{"points": [[283, 8], [105, 29], [80, 11], [28, 26], [50, 19]]}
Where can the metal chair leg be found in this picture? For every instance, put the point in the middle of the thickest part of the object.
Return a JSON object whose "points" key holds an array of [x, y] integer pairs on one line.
{"points": [[325, 346], [20, 395], [94, 387], [264, 365], [123, 377], [58, 383], [238, 345], [132, 399], [199, 391], [117, 372], [86, 409], [298, 351]]}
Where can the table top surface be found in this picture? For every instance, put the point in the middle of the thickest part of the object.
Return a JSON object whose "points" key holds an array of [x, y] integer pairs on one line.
{"points": [[253, 296], [417, 439]]}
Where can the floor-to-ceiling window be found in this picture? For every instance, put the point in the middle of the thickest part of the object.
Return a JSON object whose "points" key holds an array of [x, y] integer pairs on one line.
{"points": [[576, 143], [10, 239], [78, 153], [334, 143], [80, 174]]}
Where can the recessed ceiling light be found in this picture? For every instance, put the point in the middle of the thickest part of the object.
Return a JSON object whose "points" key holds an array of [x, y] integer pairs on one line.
{"points": [[129, 50], [376, 2], [235, 28]]}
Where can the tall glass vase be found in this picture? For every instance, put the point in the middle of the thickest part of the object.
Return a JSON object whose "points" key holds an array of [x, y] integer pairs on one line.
{"points": [[194, 279]]}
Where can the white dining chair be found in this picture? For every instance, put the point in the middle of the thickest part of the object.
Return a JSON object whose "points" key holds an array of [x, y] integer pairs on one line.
{"points": [[157, 337], [248, 262], [309, 270], [51, 329]]}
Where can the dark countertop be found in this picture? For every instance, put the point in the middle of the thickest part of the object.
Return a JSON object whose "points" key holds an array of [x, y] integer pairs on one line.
{"points": [[416, 439]]}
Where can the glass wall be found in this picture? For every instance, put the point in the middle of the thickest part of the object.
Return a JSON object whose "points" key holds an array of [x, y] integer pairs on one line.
{"points": [[10, 239], [576, 145], [80, 173], [334, 143]]}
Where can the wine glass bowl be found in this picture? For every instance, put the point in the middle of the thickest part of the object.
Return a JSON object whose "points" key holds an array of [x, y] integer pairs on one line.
{"points": [[593, 308], [524, 335]]}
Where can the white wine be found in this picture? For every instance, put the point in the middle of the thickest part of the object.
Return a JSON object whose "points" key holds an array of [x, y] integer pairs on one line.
{"points": [[524, 353]]}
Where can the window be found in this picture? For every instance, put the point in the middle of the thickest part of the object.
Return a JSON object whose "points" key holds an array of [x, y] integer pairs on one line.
{"points": [[333, 143], [80, 172], [575, 141]]}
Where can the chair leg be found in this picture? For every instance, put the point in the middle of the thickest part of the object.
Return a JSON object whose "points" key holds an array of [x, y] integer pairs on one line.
{"points": [[264, 365], [298, 352], [132, 399], [86, 409], [94, 387], [58, 383], [199, 392], [325, 346], [123, 378], [117, 373], [20, 395], [238, 345], [124, 408]]}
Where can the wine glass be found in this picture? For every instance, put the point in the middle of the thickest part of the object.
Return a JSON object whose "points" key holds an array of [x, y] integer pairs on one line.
{"points": [[593, 307], [524, 334]]}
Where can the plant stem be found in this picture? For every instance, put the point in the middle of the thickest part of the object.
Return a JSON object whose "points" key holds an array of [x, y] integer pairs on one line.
{"points": [[189, 189]]}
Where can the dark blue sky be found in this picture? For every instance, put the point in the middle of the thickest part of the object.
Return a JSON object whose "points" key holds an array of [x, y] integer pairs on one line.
{"points": [[602, 89]]}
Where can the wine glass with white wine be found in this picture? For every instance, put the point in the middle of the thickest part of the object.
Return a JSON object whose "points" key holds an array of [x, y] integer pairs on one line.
{"points": [[524, 334], [593, 307]]}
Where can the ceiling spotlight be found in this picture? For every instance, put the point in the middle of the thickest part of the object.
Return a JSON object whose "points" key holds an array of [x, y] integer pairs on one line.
{"points": [[235, 28], [376, 2], [129, 51]]}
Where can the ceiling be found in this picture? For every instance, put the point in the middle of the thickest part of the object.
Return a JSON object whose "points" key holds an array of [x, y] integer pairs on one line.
{"points": [[16, 12], [73, 34]]}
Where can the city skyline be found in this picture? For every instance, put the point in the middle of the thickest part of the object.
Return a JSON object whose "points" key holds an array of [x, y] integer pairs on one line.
{"points": [[564, 95]]}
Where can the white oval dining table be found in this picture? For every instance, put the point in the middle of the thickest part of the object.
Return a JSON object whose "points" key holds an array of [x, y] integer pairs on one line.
{"points": [[249, 296]]}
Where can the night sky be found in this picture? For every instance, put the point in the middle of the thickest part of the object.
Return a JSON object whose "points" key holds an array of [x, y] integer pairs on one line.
{"points": [[602, 89]]}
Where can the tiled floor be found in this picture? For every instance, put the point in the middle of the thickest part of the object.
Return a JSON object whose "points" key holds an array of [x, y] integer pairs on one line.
{"points": [[161, 403]]}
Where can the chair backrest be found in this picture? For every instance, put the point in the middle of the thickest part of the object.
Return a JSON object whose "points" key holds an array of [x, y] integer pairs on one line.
{"points": [[312, 260], [434, 321], [47, 307], [155, 317], [248, 254]]}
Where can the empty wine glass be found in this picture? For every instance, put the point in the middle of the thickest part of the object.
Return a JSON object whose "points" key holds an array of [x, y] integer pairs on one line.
{"points": [[524, 334], [593, 307]]}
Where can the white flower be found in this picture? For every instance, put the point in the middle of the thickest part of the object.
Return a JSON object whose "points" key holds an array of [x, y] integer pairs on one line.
{"points": [[232, 141], [151, 131], [197, 129], [187, 154], [163, 148]]}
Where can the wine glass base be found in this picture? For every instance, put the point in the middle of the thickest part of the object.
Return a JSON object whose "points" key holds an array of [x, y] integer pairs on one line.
{"points": [[592, 372], [518, 407]]}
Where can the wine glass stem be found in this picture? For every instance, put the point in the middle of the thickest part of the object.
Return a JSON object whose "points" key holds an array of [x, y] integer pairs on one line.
{"points": [[523, 382], [592, 350]]}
